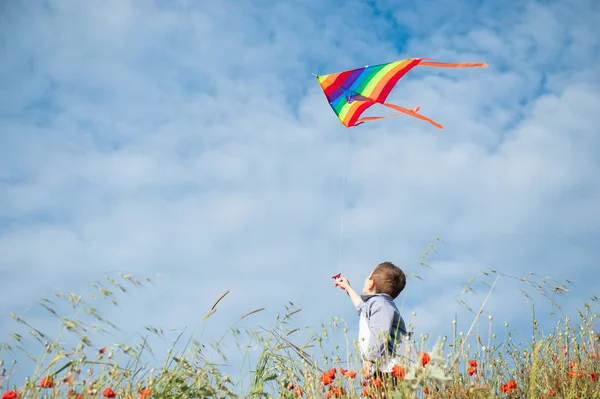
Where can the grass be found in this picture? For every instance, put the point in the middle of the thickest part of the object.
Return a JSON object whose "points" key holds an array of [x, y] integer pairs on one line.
{"points": [[561, 363]]}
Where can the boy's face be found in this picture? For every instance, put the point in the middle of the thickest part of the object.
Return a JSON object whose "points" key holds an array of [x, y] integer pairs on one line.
{"points": [[369, 287]]}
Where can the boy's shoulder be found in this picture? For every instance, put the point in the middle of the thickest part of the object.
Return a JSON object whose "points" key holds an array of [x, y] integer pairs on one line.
{"points": [[378, 301]]}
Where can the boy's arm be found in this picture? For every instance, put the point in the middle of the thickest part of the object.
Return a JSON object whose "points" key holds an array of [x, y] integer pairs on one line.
{"points": [[344, 284]]}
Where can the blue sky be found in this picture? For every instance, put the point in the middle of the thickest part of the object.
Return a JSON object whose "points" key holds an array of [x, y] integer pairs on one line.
{"points": [[190, 139]]}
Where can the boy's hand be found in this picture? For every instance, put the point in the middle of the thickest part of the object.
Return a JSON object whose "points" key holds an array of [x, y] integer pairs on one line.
{"points": [[366, 369], [343, 283]]}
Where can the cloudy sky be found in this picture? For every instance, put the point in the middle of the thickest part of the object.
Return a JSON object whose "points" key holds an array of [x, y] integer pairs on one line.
{"points": [[189, 138]]}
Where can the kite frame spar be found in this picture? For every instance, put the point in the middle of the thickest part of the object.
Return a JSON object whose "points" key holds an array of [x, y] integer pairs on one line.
{"points": [[352, 92]]}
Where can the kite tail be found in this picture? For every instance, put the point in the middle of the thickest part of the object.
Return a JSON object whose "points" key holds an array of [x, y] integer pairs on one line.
{"points": [[461, 65], [401, 111]]}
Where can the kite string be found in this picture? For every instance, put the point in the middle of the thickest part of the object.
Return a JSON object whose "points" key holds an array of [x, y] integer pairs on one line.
{"points": [[343, 204]]}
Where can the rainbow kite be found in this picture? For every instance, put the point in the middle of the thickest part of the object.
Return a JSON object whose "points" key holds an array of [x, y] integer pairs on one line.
{"points": [[350, 93]]}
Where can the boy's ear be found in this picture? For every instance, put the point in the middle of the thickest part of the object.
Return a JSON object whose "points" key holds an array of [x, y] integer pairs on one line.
{"points": [[371, 284]]}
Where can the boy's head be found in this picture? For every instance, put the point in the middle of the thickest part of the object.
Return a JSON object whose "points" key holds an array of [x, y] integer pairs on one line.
{"points": [[386, 278]]}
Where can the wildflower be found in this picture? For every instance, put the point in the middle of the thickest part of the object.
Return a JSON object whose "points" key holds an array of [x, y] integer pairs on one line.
{"points": [[103, 350], [366, 392], [377, 382], [472, 370], [108, 393], [593, 376], [335, 391], [509, 386], [472, 363], [551, 393], [145, 393], [326, 379], [298, 392], [398, 372], [426, 391], [425, 358], [73, 395], [10, 395], [572, 364], [350, 374], [47, 382]]}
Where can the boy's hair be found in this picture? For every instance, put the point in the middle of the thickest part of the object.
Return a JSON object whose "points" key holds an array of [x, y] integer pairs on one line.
{"points": [[389, 279]]}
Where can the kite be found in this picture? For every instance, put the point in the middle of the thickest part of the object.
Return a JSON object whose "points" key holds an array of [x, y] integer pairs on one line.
{"points": [[351, 92]]}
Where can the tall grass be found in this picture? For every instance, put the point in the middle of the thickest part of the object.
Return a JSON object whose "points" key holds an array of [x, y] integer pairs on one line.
{"points": [[562, 363]]}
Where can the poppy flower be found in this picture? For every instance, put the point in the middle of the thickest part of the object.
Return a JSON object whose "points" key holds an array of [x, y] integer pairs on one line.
{"points": [[425, 358], [336, 276], [326, 379], [348, 373], [145, 393], [399, 372], [335, 391], [472, 363], [509, 386], [366, 392], [47, 382], [593, 376], [426, 391], [108, 393], [472, 370], [10, 395]]}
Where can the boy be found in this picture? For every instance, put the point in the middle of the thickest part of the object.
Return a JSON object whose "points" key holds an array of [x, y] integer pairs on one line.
{"points": [[381, 328]]}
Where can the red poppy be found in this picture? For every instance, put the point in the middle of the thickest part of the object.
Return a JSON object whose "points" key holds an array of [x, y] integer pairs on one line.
{"points": [[509, 386], [366, 392], [472, 363], [377, 382], [472, 370], [425, 358], [572, 364], [399, 372], [10, 395], [336, 276], [298, 392], [335, 391], [593, 376], [47, 382], [551, 393], [348, 373], [145, 393], [326, 379], [426, 391], [108, 393]]}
